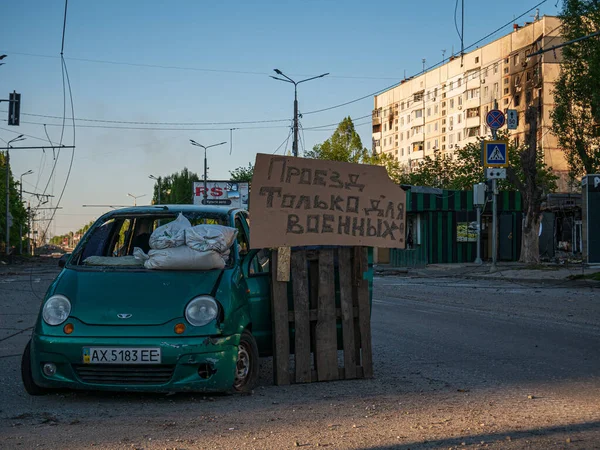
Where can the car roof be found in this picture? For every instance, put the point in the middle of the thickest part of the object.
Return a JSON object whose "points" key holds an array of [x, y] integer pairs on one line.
{"points": [[176, 209]]}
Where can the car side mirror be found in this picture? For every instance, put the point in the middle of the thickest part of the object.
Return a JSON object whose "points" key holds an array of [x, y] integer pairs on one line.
{"points": [[62, 262]]}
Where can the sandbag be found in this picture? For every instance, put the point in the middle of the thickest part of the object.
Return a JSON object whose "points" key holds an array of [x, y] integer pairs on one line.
{"points": [[210, 237], [180, 258], [171, 234]]}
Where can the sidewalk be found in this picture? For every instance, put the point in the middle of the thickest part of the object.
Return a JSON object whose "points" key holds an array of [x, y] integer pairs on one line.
{"points": [[506, 271]]}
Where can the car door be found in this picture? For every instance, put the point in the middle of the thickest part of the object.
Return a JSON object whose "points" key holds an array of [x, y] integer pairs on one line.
{"points": [[257, 271]]}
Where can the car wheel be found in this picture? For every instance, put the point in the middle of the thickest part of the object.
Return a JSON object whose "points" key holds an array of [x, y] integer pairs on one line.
{"points": [[246, 367], [27, 377]]}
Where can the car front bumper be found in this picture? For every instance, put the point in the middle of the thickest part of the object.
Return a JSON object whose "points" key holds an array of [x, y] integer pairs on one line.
{"points": [[205, 364]]}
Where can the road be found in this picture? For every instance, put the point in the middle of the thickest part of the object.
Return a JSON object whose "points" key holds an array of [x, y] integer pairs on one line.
{"points": [[458, 364]]}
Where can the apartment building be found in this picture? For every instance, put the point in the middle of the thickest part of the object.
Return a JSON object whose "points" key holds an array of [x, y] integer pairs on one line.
{"points": [[444, 108]]}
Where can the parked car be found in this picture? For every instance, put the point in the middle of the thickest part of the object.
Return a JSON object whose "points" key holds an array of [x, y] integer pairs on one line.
{"points": [[131, 328]]}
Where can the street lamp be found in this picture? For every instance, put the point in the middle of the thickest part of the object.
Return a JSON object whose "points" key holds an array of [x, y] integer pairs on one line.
{"points": [[152, 177], [205, 147], [17, 139], [135, 197], [295, 83], [29, 172]]}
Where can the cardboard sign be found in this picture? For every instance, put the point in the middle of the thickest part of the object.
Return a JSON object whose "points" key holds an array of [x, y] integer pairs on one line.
{"points": [[301, 201]]}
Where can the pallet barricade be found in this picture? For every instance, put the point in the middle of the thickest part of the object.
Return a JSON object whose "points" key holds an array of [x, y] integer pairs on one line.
{"points": [[325, 307]]}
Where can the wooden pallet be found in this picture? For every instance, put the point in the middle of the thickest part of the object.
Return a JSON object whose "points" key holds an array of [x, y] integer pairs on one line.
{"points": [[315, 316]]}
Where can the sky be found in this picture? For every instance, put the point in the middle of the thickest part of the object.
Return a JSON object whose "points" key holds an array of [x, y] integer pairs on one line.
{"points": [[196, 70]]}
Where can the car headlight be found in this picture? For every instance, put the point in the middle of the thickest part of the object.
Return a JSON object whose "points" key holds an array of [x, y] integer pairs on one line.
{"points": [[56, 310], [201, 310]]}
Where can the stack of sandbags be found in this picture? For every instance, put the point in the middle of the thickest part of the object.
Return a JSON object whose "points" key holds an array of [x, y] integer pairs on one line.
{"points": [[179, 246]]}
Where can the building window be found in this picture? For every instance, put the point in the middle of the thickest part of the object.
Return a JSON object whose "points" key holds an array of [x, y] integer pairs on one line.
{"points": [[473, 131], [418, 113], [472, 112], [460, 100], [505, 91], [458, 82], [516, 59], [451, 139], [485, 91], [495, 89], [506, 81], [506, 101], [418, 146], [472, 93], [402, 106], [408, 118], [396, 129], [505, 70], [485, 72], [458, 137], [429, 128], [418, 97], [435, 126], [496, 68], [529, 76], [451, 103], [402, 152], [459, 118], [428, 145], [385, 127], [476, 59], [451, 85], [451, 121], [517, 100], [435, 109], [486, 110], [435, 144], [428, 112], [435, 93]]}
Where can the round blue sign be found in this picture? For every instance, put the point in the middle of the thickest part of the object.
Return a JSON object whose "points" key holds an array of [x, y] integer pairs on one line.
{"points": [[495, 119]]}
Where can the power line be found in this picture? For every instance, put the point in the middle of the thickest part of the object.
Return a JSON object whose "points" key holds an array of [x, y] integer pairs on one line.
{"points": [[429, 68], [194, 69]]}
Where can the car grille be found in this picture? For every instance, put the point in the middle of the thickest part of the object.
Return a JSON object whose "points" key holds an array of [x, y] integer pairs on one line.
{"points": [[124, 374]]}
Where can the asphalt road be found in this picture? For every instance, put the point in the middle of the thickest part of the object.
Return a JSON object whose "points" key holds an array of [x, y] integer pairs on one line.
{"points": [[458, 364]]}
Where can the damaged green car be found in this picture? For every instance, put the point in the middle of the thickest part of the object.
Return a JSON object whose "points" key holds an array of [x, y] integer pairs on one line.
{"points": [[116, 325]]}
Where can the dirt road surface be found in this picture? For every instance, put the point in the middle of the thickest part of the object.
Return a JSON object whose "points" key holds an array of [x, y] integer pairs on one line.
{"points": [[458, 364]]}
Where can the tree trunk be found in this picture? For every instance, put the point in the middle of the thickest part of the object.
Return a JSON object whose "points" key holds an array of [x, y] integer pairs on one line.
{"points": [[530, 240]]}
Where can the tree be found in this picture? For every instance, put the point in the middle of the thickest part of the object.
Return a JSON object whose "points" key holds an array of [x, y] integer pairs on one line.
{"points": [[176, 189], [527, 173], [16, 208], [343, 145], [242, 174], [576, 115]]}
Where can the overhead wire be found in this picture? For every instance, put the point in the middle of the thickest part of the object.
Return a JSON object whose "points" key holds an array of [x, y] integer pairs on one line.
{"points": [[427, 69], [196, 69]]}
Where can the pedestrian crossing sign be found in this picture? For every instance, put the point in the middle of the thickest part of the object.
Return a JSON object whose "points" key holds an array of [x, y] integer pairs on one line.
{"points": [[495, 153]]}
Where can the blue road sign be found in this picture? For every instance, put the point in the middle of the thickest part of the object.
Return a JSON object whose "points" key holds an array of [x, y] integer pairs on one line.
{"points": [[495, 119], [495, 153]]}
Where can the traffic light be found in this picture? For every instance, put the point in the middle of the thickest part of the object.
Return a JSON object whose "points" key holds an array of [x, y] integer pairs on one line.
{"points": [[14, 108]]}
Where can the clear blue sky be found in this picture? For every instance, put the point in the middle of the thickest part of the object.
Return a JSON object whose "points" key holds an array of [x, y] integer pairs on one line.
{"points": [[214, 58]]}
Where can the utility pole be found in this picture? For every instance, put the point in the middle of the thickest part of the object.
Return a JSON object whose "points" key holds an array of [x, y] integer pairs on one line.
{"points": [[295, 83], [29, 172], [494, 208], [205, 147]]}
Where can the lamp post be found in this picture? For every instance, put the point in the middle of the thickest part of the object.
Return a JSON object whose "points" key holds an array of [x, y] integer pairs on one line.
{"points": [[205, 147], [29, 172], [295, 83], [18, 138], [152, 177], [135, 197]]}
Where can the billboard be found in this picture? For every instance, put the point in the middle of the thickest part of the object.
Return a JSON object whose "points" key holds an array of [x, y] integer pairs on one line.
{"points": [[222, 193]]}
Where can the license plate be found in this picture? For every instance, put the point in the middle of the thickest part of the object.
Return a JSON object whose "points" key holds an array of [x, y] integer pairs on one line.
{"points": [[121, 355]]}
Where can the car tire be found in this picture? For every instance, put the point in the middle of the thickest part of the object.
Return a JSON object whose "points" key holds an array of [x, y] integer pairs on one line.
{"points": [[247, 364], [27, 377]]}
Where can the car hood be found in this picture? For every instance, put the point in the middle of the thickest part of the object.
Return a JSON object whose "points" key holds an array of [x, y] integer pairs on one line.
{"points": [[144, 297]]}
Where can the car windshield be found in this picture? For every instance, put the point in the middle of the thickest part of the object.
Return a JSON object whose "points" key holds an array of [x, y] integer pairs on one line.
{"points": [[112, 242]]}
